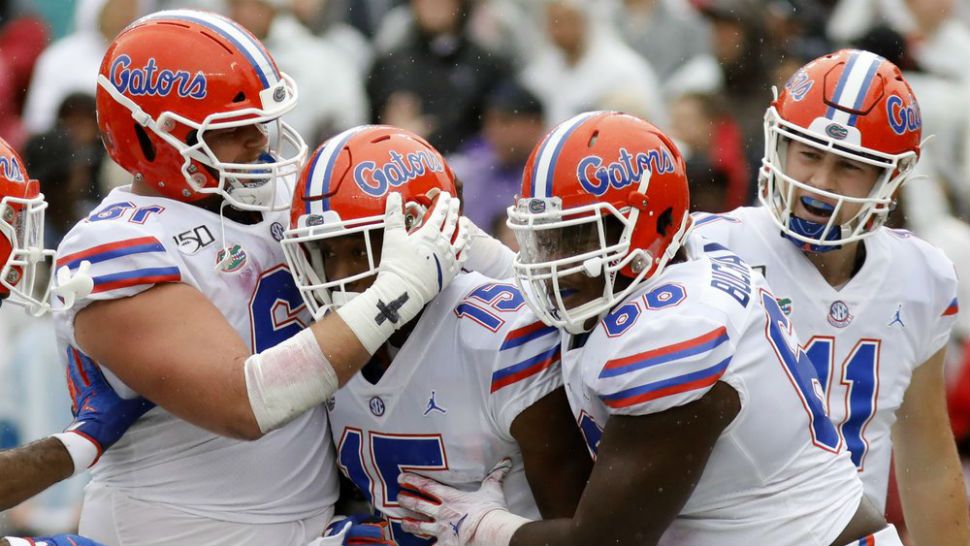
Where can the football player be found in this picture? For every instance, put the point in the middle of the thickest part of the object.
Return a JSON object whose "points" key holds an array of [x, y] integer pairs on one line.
{"points": [[683, 371], [874, 306], [194, 308], [474, 378]]}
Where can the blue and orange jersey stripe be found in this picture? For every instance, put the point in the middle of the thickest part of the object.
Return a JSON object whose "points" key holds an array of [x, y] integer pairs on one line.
{"points": [[152, 275], [667, 387], [110, 251], [668, 353], [525, 369], [952, 309], [525, 334]]}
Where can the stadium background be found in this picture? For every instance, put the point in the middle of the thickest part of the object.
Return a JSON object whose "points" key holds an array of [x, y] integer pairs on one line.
{"points": [[483, 80]]}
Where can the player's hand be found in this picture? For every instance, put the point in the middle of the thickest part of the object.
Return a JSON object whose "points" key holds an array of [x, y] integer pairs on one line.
{"points": [[427, 259], [456, 517], [100, 415], [57, 540], [414, 268]]}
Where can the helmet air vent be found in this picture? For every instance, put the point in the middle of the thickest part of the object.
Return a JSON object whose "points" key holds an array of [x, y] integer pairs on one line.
{"points": [[146, 144], [664, 221]]}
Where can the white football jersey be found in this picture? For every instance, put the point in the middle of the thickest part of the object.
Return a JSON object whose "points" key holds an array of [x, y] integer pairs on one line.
{"points": [[444, 407], [864, 339], [776, 474], [134, 242]]}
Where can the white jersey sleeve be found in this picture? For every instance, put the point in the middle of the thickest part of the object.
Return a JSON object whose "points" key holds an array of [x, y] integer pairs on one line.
{"points": [[664, 363], [521, 353], [943, 306], [126, 258]]}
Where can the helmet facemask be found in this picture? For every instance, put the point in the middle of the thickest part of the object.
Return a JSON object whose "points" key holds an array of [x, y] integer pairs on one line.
{"points": [[777, 190], [304, 248], [26, 273], [592, 240]]}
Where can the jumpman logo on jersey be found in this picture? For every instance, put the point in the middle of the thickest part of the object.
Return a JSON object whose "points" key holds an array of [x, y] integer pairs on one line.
{"points": [[433, 405], [897, 318]]}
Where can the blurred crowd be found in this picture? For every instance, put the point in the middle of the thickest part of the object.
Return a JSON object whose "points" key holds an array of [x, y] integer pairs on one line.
{"points": [[483, 80]]}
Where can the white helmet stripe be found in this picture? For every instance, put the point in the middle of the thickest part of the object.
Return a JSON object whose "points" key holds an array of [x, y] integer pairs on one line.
{"points": [[251, 48], [545, 163], [853, 85], [318, 183]]}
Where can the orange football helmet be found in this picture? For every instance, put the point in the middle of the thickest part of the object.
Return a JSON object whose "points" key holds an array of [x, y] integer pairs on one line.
{"points": [[593, 167], [171, 78], [852, 103], [343, 190]]}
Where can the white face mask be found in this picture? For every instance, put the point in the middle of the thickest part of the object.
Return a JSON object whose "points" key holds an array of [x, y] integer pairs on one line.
{"points": [[555, 244], [27, 272], [777, 190]]}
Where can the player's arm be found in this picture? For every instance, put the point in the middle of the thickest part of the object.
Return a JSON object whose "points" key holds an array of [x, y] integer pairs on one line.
{"points": [[646, 468], [928, 468], [101, 417], [557, 463], [28, 470], [173, 346]]}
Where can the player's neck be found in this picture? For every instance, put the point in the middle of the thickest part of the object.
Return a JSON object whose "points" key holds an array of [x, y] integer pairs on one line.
{"points": [[838, 267]]}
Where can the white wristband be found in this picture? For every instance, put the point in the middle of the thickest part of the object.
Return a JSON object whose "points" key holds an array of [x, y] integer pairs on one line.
{"points": [[380, 310], [286, 380], [497, 528], [82, 450], [15, 541]]}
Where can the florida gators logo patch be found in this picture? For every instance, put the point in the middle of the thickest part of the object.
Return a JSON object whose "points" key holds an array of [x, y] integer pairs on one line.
{"points": [[232, 261]]}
